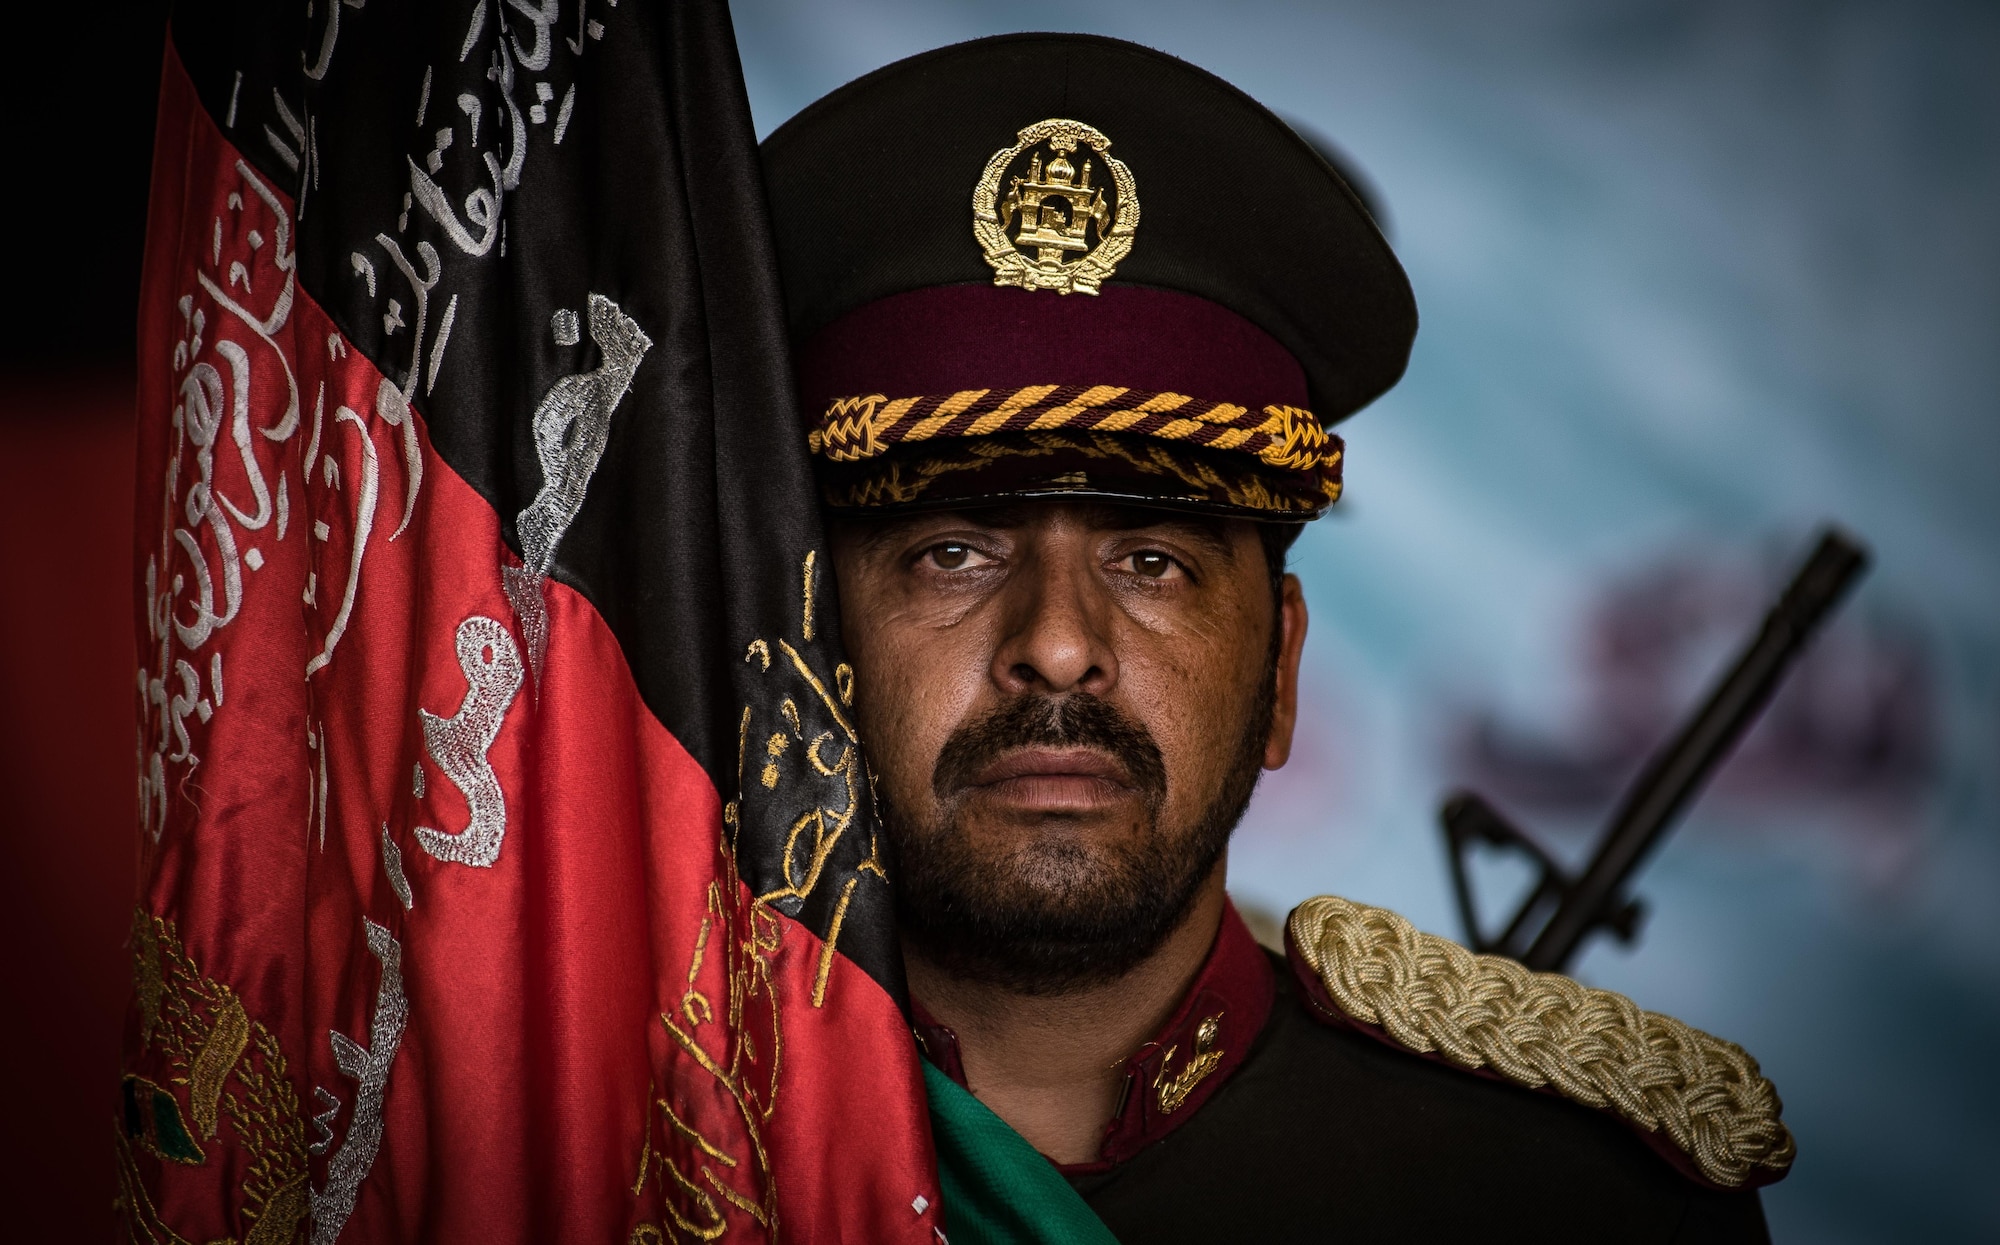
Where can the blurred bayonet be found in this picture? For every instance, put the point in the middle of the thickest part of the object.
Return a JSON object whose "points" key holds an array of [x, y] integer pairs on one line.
{"points": [[1563, 909]]}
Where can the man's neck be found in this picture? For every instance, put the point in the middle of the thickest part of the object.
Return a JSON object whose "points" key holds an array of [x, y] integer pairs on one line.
{"points": [[1050, 1065]]}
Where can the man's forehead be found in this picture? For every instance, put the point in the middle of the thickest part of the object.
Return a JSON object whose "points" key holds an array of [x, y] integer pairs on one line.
{"points": [[1215, 531]]}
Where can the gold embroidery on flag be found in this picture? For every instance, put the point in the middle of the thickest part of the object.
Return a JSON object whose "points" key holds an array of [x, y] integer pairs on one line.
{"points": [[799, 764], [153, 1119], [134, 1203], [826, 949], [233, 1069], [218, 1055], [806, 627], [146, 977], [745, 934], [833, 786]]}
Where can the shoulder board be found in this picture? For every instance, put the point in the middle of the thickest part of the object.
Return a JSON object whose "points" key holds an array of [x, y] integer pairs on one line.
{"points": [[1697, 1099]]}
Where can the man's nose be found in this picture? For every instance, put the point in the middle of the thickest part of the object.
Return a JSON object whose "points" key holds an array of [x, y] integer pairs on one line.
{"points": [[1056, 630]]}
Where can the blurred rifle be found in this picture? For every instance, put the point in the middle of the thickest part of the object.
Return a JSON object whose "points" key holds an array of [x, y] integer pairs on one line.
{"points": [[1562, 910]]}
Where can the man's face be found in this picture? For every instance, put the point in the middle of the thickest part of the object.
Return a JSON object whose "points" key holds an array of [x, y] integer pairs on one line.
{"points": [[1067, 707]]}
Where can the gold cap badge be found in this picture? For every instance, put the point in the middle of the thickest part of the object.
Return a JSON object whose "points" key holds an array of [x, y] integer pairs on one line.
{"points": [[1070, 235]]}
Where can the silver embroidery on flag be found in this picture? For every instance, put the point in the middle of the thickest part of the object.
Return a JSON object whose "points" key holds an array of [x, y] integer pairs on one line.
{"points": [[394, 410], [323, 1122], [368, 1066], [364, 523], [571, 426], [239, 432], [524, 593], [392, 864], [458, 744]]}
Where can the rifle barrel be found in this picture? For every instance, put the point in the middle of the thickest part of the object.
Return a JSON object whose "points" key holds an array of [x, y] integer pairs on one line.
{"points": [[1678, 770]]}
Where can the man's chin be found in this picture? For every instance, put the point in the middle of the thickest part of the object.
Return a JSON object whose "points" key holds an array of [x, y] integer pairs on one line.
{"points": [[1063, 876], [1058, 874], [1065, 910]]}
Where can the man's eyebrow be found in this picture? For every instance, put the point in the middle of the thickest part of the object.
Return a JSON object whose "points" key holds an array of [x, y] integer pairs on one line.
{"points": [[872, 534], [1210, 533]]}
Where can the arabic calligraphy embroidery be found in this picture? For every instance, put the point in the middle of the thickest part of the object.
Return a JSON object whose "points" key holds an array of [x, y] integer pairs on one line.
{"points": [[459, 744]]}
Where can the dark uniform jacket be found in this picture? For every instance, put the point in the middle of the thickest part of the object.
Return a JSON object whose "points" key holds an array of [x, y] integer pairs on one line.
{"points": [[1257, 1115]]}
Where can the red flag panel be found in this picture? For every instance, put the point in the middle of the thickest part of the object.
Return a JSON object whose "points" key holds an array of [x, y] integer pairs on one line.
{"points": [[434, 941]]}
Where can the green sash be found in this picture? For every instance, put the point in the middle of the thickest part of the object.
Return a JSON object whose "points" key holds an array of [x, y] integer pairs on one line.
{"points": [[997, 1189]]}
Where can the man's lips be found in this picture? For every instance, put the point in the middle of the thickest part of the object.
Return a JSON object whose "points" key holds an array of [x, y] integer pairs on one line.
{"points": [[1053, 779], [1051, 763]]}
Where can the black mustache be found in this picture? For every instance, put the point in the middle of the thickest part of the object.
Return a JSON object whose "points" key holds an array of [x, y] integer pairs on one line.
{"points": [[1078, 720]]}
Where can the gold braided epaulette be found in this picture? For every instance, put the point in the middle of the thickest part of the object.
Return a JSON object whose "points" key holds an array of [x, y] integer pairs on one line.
{"points": [[1545, 1031]]}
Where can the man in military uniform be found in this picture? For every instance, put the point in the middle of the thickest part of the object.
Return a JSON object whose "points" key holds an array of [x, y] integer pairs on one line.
{"points": [[1065, 442]]}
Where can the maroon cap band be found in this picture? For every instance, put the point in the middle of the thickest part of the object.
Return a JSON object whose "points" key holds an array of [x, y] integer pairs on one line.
{"points": [[970, 392], [950, 338]]}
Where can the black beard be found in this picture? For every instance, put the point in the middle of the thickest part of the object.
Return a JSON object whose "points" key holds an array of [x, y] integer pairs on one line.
{"points": [[1053, 919]]}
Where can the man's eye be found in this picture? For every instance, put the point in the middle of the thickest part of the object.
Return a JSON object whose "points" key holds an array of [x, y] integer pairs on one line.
{"points": [[1151, 563], [953, 556]]}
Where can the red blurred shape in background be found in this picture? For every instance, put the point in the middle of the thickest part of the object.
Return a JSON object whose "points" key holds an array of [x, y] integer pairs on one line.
{"points": [[66, 833]]}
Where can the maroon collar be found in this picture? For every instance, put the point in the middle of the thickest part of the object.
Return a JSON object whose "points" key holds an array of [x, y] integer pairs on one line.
{"points": [[1168, 1078]]}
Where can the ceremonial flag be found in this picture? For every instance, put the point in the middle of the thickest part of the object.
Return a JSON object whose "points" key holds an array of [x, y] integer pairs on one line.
{"points": [[508, 865]]}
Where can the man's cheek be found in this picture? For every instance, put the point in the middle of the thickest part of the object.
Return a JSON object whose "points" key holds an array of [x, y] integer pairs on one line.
{"points": [[1199, 713], [904, 738], [934, 692]]}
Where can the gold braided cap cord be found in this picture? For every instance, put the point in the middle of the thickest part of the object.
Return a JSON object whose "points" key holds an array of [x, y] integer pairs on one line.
{"points": [[1286, 437], [1544, 1030]]}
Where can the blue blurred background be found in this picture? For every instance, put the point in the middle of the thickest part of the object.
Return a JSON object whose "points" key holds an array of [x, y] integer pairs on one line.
{"points": [[1694, 278]]}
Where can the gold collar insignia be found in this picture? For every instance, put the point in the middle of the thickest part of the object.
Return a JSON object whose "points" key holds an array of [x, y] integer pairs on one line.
{"points": [[1058, 210]]}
